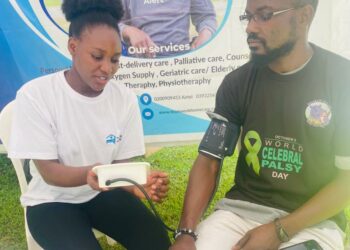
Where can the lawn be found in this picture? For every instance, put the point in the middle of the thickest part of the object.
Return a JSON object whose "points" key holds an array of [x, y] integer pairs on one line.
{"points": [[177, 161]]}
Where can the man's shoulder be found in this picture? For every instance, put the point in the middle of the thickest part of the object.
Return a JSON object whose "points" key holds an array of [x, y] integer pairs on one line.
{"points": [[335, 68], [241, 75], [242, 71], [332, 59]]}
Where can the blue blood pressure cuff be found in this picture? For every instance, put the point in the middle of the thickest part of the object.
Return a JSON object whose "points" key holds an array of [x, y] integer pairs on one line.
{"points": [[220, 138]]}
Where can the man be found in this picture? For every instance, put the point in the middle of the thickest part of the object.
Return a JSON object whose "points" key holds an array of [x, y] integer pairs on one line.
{"points": [[293, 171], [161, 28]]}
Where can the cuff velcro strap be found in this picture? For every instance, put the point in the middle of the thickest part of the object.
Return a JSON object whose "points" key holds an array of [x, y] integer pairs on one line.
{"points": [[187, 231]]}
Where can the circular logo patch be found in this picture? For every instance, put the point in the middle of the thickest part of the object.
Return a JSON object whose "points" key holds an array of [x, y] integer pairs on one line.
{"points": [[318, 114]]}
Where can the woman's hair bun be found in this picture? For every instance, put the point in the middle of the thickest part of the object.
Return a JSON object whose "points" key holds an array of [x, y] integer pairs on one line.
{"points": [[75, 8]]}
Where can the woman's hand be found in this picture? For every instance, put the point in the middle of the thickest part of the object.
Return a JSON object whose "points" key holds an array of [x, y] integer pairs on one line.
{"points": [[92, 180], [157, 186]]}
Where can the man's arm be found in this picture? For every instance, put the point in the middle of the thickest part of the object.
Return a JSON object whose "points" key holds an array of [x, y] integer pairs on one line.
{"points": [[203, 36], [326, 203], [201, 185], [132, 35], [203, 15], [138, 39]]}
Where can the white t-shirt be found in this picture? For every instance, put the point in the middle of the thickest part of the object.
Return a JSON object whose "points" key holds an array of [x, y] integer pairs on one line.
{"points": [[53, 121]]}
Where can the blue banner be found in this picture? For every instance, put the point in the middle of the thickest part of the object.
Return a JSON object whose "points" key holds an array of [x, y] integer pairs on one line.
{"points": [[175, 80]]}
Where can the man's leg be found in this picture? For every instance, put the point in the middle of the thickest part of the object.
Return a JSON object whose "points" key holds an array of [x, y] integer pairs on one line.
{"points": [[61, 226], [126, 219], [222, 230]]}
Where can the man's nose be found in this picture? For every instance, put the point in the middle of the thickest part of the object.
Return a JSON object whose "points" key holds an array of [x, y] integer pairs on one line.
{"points": [[252, 26]]}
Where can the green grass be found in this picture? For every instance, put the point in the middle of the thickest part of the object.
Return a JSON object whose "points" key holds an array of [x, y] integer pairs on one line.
{"points": [[11, 213], [176, 161]]}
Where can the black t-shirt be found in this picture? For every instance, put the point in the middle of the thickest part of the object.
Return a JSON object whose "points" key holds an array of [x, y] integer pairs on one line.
{"points": [[296, 129]]}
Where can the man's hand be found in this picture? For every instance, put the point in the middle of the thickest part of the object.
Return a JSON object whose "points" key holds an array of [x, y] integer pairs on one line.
{"points": [[263, 237], [157, 186], [139, 40], [183, 242], [202, 37]]}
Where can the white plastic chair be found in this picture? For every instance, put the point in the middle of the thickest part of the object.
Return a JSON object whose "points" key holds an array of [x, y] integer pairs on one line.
{"points": [[5, 129]]}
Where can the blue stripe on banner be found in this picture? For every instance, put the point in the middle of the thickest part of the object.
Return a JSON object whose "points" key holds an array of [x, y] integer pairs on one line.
{"points": [[24, 55], [43, 6], [28, 11], [8, 71]]}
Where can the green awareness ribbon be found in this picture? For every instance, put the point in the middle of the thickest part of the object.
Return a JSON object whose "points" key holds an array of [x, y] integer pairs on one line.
{"points": [[253, 150]]}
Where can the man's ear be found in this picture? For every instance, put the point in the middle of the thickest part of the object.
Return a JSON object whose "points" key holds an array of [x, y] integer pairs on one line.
{"points": [[307, 14], [72, 45]]}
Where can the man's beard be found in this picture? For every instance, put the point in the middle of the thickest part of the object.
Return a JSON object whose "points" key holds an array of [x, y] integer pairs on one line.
{"points": [[271, 54]]}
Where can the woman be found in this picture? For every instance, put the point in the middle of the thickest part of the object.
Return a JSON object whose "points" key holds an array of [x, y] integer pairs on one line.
{"points": [[73, 120]]}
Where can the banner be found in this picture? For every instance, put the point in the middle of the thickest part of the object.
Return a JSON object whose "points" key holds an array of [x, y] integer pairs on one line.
{"points": [[191, 46]]}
